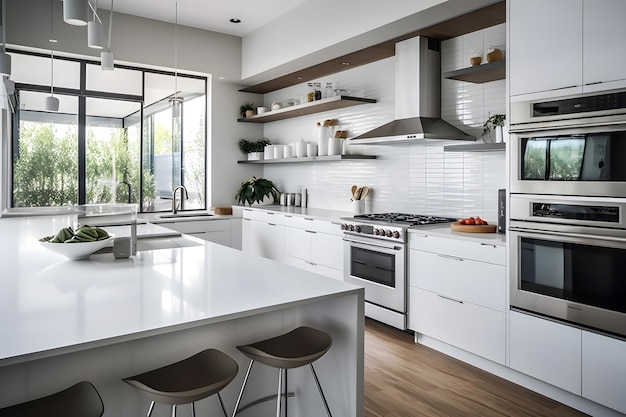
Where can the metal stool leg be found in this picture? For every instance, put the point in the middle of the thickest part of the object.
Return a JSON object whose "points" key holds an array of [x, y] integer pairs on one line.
{"points": [[319, 387], [174, 411], [280, 391], [245, 380], [150, 409], [219, 397], [193, 409], [286, 394]]}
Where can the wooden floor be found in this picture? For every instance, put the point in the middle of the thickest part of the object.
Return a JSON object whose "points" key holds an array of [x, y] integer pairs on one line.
{"points": [[404, 379]]}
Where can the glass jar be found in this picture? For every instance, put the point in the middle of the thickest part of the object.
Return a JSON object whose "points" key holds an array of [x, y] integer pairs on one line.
{"points": [[310, 96], [494, 54], [318, 91], [476, 57]]}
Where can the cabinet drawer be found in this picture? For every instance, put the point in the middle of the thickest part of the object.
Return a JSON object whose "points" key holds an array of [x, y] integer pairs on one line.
{"points": [[198, 226], [463, 279], [475, 329], [317, 225], [460, 248], [264, 216]]}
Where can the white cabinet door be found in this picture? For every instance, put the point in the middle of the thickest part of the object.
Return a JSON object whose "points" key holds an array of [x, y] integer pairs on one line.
{"points": [[545, 46], [546, 350], [604, 365], [604, 48], [476, 329], [327, 250], [263, 239], [222, 238], [298, 243]]}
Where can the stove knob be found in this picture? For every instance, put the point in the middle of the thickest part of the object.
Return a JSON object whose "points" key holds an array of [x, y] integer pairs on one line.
{"points": [[396, 234], [388, 233], [344, 226], [352, 228], [357, 229], [376, 232]]}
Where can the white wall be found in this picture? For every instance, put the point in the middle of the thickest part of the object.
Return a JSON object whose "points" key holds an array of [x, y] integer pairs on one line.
{"points": [[417, 177]]}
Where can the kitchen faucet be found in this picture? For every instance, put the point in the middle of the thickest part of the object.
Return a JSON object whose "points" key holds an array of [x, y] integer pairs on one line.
{"points": [[182, 200], [127, 184]]}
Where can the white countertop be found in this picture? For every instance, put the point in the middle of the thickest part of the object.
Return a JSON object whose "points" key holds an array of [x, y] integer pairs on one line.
{"points": [[444, 230], [50, 305]]}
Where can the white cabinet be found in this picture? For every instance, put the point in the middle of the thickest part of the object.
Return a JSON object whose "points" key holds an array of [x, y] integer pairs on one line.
{"points": [[458, 293], [603, 365], [315, 245], [545, 45], [546, 350], [215, 230], [263, 234], [566, 46]]}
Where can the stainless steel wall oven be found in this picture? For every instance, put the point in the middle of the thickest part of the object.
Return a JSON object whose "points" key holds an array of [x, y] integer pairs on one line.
{"points": [[567, 209]]}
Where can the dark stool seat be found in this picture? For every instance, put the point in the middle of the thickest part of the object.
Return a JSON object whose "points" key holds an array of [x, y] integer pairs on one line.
{"points": [[301, 346], [189, 380], [79, 400]]}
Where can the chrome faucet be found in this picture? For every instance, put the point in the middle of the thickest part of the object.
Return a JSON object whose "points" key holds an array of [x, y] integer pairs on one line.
{"points": [[182, 199]]}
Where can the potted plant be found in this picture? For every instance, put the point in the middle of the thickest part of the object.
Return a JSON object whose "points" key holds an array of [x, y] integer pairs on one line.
{"points": [[257, 190], [247, 109], [495, 122], [254, 149]]}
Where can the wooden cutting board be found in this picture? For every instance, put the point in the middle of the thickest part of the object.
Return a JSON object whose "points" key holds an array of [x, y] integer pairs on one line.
{"points": [[473, 228]]}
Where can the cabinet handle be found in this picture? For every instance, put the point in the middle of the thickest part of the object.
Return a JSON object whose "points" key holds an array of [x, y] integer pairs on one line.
{"points": [[271, 224], [450, 257], [288, 215], [418, 234], [450, 299], [310, 231], [245, 218], [488, 244], [356, 261], [309, 219], [269, 212]]}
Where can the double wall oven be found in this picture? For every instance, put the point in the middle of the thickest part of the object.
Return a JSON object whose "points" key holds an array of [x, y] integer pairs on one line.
{"points": [[567, 222], [375, 257]]}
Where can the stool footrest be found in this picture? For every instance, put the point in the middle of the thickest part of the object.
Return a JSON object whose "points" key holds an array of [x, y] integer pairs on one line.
{"points": [[264, 399]]}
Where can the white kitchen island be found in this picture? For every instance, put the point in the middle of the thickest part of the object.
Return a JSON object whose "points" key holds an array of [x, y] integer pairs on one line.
{"points": [[102, 319]]}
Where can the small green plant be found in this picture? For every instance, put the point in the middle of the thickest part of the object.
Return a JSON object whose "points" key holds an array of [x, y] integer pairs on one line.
{"points": [[245, 107], [255, 190], [493, 121], [247, 146]]}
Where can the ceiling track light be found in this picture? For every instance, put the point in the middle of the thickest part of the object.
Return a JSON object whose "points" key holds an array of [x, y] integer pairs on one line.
{"points": [[95, 37], [52, 102], [176, 101], [76, 12], [5, 59]]}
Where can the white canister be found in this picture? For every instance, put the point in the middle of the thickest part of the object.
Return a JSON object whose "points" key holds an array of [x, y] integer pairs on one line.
{"points": [[261, 110], [358, 206], [301, 149], [334, 146], [323, 132], [311, 149], [288, 151], [278, 151], [269, 152]]}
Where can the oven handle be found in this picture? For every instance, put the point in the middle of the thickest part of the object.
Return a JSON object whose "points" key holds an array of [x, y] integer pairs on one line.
{"points": [[566, 234], [376, 245]]}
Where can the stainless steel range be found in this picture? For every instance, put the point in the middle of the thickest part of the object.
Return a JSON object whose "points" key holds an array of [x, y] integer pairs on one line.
{"points": [[375, 258]]}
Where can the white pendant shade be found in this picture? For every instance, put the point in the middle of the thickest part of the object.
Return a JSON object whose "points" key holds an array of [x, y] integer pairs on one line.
{"points": [[75, 12], [95, 38], [176, 104], [5, 64], [52, 103], [106, 60]]}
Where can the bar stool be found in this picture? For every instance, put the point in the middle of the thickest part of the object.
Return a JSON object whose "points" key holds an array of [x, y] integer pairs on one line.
{"points": [[187, 381], [301, 346], [79, 400]]}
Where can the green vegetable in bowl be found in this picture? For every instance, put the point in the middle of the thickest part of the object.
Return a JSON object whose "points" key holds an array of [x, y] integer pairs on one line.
{"points": [[82, 234]]}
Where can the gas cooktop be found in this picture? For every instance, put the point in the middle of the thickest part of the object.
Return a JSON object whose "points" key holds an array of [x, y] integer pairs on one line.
{"points": [[402, 219]]}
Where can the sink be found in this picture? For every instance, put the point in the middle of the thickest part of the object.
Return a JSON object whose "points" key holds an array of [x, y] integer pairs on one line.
{"points": [[164, 243], [177, 215]]}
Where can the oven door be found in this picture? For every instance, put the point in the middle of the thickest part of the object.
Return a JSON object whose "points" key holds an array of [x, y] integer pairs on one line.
{"points": [[580, 161], [379, 267], [569, 273]]}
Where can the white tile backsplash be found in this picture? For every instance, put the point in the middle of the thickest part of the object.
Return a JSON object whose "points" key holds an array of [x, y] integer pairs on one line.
{"points": [[417, 177]]}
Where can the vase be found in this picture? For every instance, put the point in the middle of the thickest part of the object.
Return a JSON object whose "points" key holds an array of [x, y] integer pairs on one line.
{"points": [[499, 134], [249, 113], [255, 156]]}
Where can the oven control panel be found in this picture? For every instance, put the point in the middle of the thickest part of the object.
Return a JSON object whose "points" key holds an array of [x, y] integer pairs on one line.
{"points": [[375, 231]]}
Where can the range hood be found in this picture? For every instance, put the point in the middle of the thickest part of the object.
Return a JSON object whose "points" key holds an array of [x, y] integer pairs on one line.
{"points": [[418, 98]]}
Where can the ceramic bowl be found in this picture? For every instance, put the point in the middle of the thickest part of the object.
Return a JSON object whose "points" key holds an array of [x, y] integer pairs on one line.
{"points": [[79, 250]]}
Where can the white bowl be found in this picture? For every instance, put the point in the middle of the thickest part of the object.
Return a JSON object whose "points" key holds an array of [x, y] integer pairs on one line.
{"points": [[78, 250]]}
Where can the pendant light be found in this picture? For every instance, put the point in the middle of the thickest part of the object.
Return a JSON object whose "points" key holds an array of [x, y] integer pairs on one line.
{"points": [[106, 57], [94, 30], [5, 59], [52, 103], [176, 101], [76, 12]]}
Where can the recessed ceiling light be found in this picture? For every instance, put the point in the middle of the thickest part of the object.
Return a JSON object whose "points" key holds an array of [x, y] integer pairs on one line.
{"points": [[299, 77], [346, 63], [235, 20]]}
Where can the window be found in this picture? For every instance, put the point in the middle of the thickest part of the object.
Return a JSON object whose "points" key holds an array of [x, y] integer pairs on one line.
{"points": [[115, 140]]}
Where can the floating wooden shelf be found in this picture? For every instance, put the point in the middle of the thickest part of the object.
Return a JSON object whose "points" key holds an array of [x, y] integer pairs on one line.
{"points": [[318, 106], [309, 159], [476, 147], [484, 73]]}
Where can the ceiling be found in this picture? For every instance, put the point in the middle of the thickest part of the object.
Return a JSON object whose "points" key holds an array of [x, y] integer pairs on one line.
{"points": [[211, 15]]}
